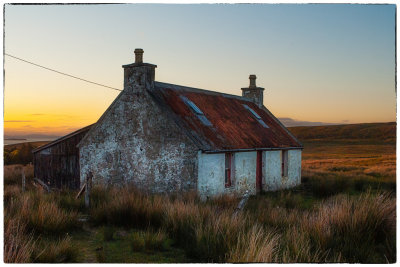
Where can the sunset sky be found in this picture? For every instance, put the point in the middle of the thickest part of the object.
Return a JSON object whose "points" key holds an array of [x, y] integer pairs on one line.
{"points": [[331, 63]]}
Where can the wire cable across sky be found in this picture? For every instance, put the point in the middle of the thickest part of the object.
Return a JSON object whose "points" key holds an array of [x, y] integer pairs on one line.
{"points": [[62, 73]]}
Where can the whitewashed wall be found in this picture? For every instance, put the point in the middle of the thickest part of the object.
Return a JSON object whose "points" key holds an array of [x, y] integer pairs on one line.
{"points": [[245, 172], [272, 170], [272, 177], [211, 174], [294, 171]]}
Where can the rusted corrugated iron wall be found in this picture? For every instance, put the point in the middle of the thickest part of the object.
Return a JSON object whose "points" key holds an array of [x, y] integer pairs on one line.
{"points": [[58, 164]]}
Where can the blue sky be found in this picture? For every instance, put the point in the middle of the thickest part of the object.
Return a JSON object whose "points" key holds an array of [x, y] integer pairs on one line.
{"points": [[332, 63]]}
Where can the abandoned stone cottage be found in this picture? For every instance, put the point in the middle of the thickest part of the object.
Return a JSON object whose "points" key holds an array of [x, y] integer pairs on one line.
{"points": [[167, 138]]}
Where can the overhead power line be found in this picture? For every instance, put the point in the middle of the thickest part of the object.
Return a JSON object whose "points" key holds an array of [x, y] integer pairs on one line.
{"points": [[62, 73]]}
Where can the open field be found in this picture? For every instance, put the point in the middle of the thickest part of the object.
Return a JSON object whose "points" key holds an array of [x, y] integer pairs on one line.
{"points": [[20, 153], [353, 156], [344, 211]]}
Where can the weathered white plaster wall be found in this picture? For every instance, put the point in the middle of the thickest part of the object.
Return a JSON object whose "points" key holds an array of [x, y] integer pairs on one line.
{"points": [[272, 170], [294, 168], [211, 174], [272, 176], [245, 172]]}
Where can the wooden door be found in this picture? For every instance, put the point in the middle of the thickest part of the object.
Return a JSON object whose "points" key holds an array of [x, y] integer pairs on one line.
{"points": [[259, 172]]}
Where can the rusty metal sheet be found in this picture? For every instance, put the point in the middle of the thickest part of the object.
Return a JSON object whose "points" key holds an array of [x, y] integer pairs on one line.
{"points": [[233, 125]]}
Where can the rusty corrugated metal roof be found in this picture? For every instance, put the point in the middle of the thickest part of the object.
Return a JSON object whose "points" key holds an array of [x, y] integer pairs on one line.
{"points": [[233, 127]]}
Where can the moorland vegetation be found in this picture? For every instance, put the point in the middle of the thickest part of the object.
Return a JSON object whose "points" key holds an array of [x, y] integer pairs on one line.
{"points": [[344, 211]]}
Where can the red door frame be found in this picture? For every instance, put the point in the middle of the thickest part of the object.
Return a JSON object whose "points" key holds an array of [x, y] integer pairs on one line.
{"points": [[259, 172]]}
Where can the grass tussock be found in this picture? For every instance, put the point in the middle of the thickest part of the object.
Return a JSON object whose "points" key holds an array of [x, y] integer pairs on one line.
{"points": [[18, 246], [342, 228], [207, 231], [61, 251], [149, 240], [271, 229], [255, 245], [43, 216], [366, 222], [127, 207], [12, 175]]}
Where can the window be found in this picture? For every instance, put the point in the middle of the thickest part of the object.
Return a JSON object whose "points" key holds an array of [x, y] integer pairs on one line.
{"points": [[194, 107], [200, 115], [258, 118], [284, 163], [228, 169]]}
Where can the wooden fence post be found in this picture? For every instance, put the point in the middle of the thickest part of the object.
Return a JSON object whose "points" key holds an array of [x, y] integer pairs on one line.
{"points": [[23, 180], [88, 187]]}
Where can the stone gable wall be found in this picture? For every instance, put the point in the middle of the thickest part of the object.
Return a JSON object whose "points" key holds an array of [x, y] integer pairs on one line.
{"points": [[137, 143]]}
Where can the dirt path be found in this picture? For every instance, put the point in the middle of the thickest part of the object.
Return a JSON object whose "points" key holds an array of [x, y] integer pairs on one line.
{"points": [[85, 240], [90, 250]]}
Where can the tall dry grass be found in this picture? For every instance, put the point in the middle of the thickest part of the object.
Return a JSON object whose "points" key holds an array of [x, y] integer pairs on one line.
{"points": [[29, 218], [209, 232], [356, 226], [42, 214], [60, 251], [13, 174], [272, 228], [150, 240], [255, 245], [18, 246], [273, 231], [127, 207]]}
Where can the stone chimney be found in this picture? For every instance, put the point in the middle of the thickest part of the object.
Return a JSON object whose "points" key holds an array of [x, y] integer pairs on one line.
{"points": [[139, 76], [253, 92]]}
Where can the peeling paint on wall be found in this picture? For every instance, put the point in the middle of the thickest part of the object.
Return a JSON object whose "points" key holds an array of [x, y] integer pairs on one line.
{"points": [[211, 173], [245, 172], [272, 171], [294, 171]]}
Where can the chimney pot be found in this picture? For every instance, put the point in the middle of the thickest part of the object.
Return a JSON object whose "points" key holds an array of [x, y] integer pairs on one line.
{"points": [[253, 92], [138, 76], [139, 55], [252, 78]]}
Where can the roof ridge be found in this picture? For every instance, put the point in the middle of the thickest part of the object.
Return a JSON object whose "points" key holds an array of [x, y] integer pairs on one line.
{"points": [[199, 90]]}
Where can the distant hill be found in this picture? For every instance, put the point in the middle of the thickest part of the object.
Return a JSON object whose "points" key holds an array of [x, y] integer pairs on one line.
{"points": [[378, 131], [20, 153]]}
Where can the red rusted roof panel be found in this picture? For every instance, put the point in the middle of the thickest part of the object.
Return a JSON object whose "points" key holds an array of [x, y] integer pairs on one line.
{"points": [[233, 126]]}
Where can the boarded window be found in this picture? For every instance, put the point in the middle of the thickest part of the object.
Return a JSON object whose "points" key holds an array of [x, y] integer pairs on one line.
{"points": [[228, 169], [284, 163]]}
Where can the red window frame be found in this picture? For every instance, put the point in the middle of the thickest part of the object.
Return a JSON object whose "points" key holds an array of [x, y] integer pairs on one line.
{"points": [[284, 163], [228, 169]]}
